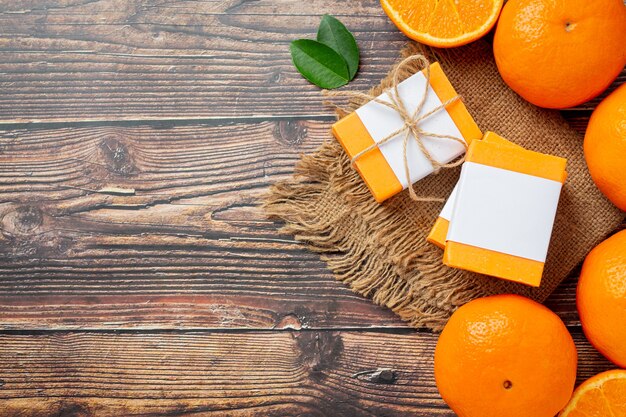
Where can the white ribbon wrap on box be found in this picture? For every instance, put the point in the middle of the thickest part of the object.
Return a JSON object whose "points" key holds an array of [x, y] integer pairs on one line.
{"points": [[380, 121], [504, 211]]}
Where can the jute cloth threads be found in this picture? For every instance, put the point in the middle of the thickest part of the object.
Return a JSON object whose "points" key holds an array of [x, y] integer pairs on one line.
{"points": [[380, 250]]}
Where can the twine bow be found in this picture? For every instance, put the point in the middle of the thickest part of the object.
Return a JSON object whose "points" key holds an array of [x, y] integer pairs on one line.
{"points": [[411, 120]]}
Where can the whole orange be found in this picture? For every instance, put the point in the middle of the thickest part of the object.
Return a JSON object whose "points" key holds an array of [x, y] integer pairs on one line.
{"points": [[505, 355], [560, 53], [601, 298], [605, 147]]}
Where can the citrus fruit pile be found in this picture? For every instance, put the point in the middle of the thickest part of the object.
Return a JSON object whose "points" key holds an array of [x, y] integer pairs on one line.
{"points": [[554, 54]]}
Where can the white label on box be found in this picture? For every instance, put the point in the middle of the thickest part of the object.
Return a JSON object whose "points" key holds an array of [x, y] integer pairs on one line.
{"points": [[380, 121], [504, 211]]}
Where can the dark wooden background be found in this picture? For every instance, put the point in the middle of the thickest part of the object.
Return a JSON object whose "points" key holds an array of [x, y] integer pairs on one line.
{"points": [[182, 299]]}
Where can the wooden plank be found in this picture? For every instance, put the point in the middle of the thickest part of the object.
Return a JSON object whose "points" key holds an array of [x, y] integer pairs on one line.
{"points": [[67, 170], [295, 308], [236, 374], [77, 60], [190, 248]]}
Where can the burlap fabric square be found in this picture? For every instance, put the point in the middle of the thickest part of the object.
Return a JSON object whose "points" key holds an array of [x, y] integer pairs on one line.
{"points": [[380, 251]]}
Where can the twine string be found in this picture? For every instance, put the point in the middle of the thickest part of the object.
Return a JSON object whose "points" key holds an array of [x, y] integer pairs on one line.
{"points": [[410, 128]]}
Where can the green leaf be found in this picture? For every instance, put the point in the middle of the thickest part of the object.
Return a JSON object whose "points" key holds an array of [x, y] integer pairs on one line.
{"points": [[319, 63], [334, 34]]}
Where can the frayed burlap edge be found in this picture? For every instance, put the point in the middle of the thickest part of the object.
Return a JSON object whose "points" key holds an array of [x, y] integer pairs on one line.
{"points": [[392, 280]]}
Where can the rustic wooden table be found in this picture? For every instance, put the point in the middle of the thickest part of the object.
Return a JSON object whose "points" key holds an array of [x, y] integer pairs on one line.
{"points": [[182, 298]]}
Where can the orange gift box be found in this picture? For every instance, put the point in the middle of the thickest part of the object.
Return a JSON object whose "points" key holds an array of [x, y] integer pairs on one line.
{"points": [[383, 169], [504, 211]]}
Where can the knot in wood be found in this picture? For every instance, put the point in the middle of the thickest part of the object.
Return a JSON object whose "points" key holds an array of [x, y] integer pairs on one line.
{"points": [[117, 156], [378, 376], [23, 219], [290, 133], [275, 77], [320, 352]]}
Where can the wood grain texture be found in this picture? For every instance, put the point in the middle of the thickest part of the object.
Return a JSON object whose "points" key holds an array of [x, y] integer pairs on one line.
{"points": [[266, 374], [191, 248], [78, 60]]}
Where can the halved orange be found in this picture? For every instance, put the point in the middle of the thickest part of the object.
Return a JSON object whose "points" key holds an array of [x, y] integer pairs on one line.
{"points": [[443, 23], [600, 395]]}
